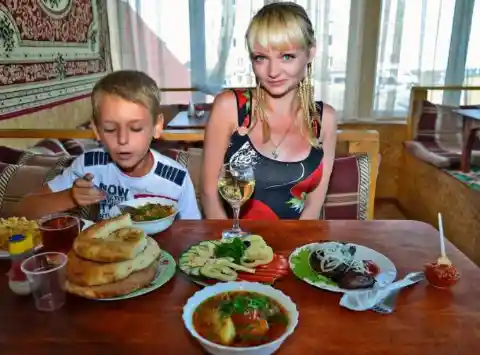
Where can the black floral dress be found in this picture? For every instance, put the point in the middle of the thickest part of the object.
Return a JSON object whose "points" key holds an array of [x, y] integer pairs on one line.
{"points": [[281, 187]]}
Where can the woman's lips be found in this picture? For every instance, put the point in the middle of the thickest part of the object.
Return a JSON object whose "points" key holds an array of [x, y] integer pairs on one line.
{"points": [[276, 83]]}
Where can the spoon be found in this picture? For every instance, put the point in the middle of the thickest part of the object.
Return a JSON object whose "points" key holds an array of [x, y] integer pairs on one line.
{"points": [[443, 259]]}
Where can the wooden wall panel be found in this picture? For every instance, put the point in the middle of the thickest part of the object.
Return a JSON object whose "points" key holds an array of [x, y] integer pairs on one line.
{"points": [[428, 191]]}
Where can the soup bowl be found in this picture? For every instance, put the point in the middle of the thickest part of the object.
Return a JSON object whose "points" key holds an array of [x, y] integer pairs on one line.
{"points": [[210, 291], [149, 227]]}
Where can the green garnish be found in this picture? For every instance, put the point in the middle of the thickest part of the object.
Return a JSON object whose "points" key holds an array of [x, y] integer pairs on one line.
{"points": [[302, 269], [242, 304], [235, 249]]}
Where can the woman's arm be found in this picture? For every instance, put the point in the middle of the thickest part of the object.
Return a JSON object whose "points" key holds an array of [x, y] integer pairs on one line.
{"points": [[328, 135], [220, 126]]}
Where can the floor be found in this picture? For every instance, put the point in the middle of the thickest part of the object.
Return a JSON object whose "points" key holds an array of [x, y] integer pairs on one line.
{"points": [[386, 209]]}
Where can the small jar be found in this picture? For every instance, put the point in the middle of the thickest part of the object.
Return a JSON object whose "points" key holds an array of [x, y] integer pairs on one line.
{"points": [[20, 248]]}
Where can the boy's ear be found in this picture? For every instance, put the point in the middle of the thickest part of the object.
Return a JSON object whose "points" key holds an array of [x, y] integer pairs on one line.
{"points": [[158, 128], [95, 129]]}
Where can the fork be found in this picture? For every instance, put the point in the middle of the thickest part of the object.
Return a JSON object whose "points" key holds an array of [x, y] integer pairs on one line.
{"points": [[387, 305], [80, 176]]}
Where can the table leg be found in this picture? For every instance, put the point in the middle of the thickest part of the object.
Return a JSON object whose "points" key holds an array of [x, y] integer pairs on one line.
{"points": [[468, 140]]}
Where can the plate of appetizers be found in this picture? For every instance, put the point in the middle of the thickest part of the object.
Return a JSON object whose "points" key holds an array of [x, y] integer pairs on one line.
{"points": [[247, 258], [341, 267]]}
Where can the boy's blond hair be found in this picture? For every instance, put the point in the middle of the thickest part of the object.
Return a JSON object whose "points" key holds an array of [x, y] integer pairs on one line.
{"points": [[130, 85]]}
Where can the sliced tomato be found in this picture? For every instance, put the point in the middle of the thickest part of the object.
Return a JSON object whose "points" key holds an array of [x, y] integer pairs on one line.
{"points": [[372, 268], [257, 278], [275, 272], [278, 262]]}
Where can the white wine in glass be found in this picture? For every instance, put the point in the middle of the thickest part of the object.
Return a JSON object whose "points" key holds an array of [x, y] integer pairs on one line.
{"points": [[236, 184]]}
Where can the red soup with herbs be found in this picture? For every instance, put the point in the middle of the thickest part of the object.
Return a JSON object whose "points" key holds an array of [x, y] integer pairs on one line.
{"points": [[59, 232], [240, 319]]}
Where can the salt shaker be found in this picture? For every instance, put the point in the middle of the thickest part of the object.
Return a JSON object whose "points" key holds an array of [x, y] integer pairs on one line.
{"points": [[191, 110], [20, 248]]}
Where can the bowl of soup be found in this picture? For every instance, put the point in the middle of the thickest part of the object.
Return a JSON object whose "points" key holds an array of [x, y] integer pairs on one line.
{"points": [[152, 214], [243, 318]]}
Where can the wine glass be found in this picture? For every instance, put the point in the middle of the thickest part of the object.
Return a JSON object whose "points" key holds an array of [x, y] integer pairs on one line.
{"points": [[236, 184]]}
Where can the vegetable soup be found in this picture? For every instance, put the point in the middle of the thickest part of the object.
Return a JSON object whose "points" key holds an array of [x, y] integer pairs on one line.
{"points": [[240, 319]]}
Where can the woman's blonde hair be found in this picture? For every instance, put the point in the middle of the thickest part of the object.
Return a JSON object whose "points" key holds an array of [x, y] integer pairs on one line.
{"points": [[283, 25]]}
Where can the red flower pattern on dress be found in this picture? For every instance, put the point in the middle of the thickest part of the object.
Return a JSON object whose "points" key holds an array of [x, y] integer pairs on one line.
{"points": [[255, 209], [301, 189]]}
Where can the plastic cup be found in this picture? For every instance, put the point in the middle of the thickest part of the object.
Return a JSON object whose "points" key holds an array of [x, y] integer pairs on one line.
{"points": [[46, 273]]}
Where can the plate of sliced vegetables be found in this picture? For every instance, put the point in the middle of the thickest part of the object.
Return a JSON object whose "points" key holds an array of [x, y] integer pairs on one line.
{"points": [[247, 258]]}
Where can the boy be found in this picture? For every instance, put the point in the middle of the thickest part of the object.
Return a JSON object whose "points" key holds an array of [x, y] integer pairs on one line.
{"points": [[126, 115]]}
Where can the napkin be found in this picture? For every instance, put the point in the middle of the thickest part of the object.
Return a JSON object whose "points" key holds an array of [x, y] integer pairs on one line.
{"points": [[362, 300]]}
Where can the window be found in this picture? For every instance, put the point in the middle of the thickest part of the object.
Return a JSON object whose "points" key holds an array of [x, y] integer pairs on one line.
{"points": [[363, 68]]}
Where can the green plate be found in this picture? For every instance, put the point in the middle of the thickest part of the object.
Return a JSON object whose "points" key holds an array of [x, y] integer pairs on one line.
{"points": [[166, 270]]}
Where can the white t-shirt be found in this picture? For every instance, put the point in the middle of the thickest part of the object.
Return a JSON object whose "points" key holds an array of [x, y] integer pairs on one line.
{"points": [[166, 179]]}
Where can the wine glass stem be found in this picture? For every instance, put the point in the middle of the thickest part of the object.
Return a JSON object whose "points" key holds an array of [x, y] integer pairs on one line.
{"points": [[236, 218]]}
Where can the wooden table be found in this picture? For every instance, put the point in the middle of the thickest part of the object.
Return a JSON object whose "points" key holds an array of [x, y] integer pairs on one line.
{"points": [[426, 321], [183, 121], [471, 124]]}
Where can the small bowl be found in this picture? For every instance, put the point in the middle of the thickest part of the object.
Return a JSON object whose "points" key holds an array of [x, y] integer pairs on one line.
{"points": [[210, 291], [434, 280], [149, 227]]}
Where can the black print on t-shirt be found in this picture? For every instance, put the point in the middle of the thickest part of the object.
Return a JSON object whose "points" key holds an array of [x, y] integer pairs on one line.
{"points": [[115, 195]]}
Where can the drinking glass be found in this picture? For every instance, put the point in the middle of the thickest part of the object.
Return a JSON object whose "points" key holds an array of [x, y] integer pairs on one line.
{"points": [[46, 275], [236, 184], [58, 231]]}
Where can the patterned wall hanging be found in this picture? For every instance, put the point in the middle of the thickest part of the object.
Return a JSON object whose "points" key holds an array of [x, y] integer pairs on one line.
{"points": [[51, 52]]}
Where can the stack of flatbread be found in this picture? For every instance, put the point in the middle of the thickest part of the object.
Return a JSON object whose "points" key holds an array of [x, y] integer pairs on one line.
{"points": [[110, 259]]}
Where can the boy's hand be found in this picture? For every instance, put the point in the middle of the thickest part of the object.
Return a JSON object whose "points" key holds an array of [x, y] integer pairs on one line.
{"points": [[84, 193]]}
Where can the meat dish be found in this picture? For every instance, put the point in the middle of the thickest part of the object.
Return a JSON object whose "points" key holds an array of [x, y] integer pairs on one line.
{"points": [[240, 319], [338, 262]]}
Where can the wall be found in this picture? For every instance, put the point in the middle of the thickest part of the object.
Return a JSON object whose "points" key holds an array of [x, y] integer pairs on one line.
{"points": [[68, 115]]}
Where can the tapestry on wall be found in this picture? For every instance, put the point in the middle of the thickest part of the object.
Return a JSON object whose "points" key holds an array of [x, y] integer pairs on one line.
{"points": [[51, 52]]}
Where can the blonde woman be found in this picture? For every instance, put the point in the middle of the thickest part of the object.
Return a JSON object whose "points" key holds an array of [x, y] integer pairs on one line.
{"points": [[277, 127]]}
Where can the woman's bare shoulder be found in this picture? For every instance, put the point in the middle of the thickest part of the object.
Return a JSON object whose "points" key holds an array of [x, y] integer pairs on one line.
{"points": [[226, 100], [224, 109]]}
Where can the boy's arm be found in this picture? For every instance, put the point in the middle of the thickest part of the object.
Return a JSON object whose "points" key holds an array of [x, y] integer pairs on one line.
{"points": [[55, 196], [187, 204]]}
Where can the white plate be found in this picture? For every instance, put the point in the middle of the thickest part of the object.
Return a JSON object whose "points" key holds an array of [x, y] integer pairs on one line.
{"points": [[300, 266], [166, 270], [86, 223]]}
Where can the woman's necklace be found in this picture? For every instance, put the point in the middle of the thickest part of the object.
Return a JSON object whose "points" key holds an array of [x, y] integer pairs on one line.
{"points": [[276, 151]]}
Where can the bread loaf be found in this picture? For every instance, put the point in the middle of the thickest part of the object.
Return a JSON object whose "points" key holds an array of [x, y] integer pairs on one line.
{"points": [[111, 240], [135, 281], [83, 272]]}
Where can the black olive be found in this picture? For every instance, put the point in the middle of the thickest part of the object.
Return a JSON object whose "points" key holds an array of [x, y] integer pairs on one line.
{"points": [[247, 243]]}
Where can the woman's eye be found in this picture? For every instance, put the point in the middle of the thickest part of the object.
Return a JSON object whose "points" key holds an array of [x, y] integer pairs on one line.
{"points": [[136, 129], [258, 58], [287, 57], [109, 130]]}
